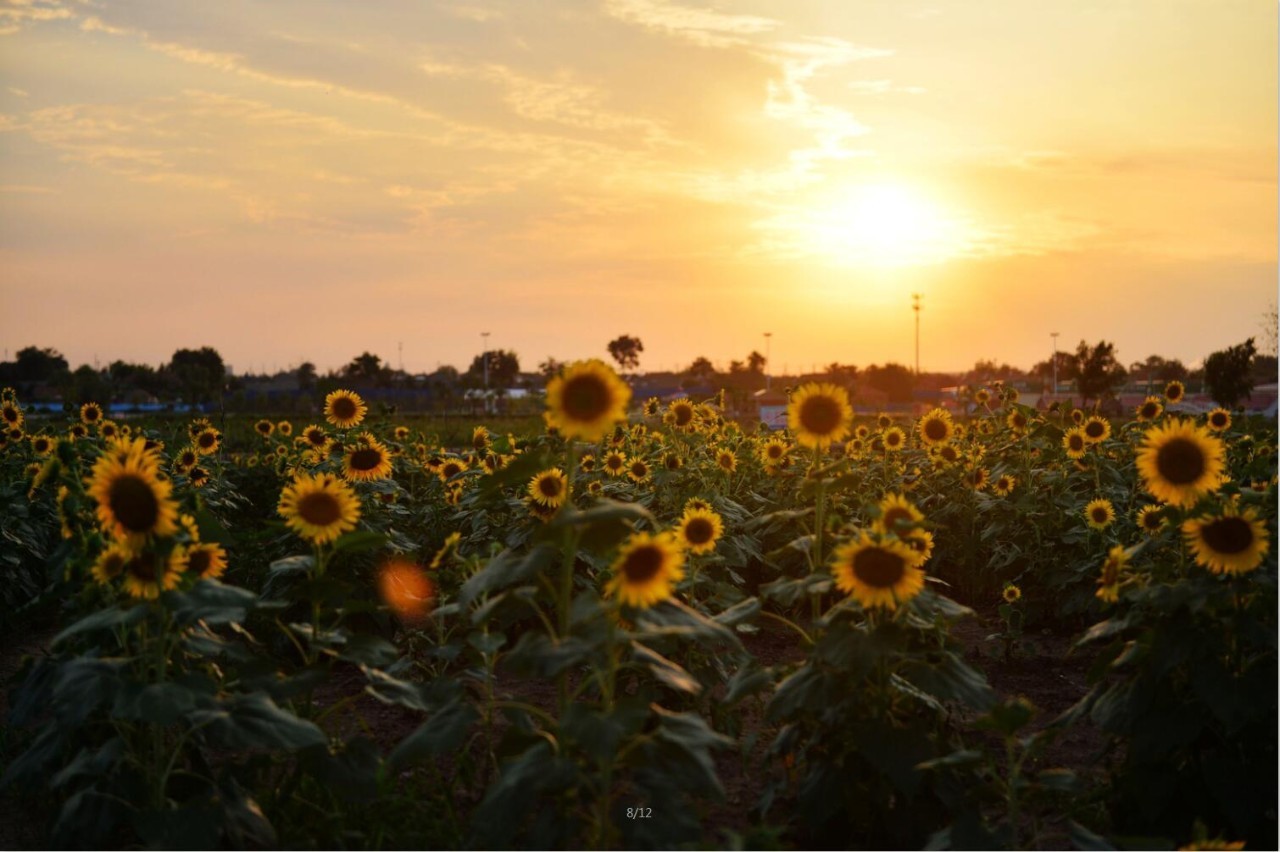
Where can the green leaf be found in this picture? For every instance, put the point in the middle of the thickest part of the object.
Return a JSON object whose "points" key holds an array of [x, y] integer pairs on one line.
{"points": [[359, 541], [508, 568], [440, 734], [254, 721], [1084, 839], [103, 619], [666, 671], [212, 602]]}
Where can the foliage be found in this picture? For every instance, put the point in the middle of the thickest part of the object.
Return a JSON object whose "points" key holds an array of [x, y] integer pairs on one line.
{"points": [[1227, 373]]}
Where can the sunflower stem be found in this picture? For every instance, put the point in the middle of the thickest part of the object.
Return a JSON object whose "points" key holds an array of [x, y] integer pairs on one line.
{"points": [[820, 523]]}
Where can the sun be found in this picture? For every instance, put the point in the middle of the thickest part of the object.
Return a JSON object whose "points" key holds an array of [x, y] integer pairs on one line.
{"points": [[880, 225]]}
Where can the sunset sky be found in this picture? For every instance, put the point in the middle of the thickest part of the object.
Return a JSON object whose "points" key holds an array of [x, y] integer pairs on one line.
{"points": [[290, 181]]}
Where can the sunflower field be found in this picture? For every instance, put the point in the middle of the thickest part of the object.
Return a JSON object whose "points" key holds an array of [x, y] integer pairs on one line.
{"points": [[645, 625]]}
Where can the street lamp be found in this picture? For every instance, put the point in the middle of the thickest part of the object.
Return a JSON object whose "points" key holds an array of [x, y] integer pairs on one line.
{"points": [[485, 358], [767, 378], [915, 306], [1054, 335]]}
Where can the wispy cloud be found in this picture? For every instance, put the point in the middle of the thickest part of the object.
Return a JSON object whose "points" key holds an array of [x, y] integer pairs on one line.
{"points": [[705, 27]]}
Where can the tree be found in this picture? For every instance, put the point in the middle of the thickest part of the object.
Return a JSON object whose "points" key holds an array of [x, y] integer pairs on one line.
{"points": [[894, 380], [366, 368], [200, 373], [843, 375], [1157, 369], [1099, 372], [306, 375], [1229, 375], [34, 365], [701, 371], [1068, 369], [504, 366], [626, 351], [550, 367]]}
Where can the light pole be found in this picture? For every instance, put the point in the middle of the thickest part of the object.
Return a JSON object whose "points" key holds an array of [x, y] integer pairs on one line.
{"points": [[1054, 335], [485, 358], [767, 379], [915, 306]]}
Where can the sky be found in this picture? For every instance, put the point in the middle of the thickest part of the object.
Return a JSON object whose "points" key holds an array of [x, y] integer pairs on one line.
{"points": [[290, 181]]}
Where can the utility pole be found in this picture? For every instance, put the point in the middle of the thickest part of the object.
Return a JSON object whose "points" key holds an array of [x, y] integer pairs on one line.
{"points": [[400, 347], [485, 357], [1054, 335], [915, 306], [767, 379]]}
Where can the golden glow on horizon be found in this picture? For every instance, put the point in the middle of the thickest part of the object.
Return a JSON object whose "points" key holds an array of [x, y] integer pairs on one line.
{"points": [[882, 225]]}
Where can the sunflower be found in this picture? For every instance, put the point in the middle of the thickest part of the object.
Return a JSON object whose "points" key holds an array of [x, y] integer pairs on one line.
{"points": [[1017, 420], [264, 428], [651, 406], [549, 488], [1109, 581], [198, 476], [11, 414], [946, 455], [862, 432], [672, 461], [344, 409], [1150, 409], [646, 570], [726, 460], [897, 514], [919, 540], [133, 501], [615, 463], [78, 431], [366, 459], [107, 429], [819, 414], [481, 440], [1004, 485], [319, 508], [146, 575], [699, 530], [680, 413], [90, 413], [43, 445], [1175, 391], [1097, 429], [110, 563], [773, 451], [1151, 519], [491, 463], [854, 448], [893, 439], [936, 428], [1219, 420], [878, 574], [595, 488], [638, 470], [450, 467], [1099, 513], [587, 463], [1011, 593], [207, 441], [1075, 442], [1077, 416], [1233, 542], [1180, 462], [186, 460], [207, 561], [315, 437], [977, 478], [586, 400], [982, 396]]}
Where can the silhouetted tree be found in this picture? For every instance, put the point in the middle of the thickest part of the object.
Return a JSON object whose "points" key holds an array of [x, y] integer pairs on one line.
{"points": [[626, 351], [550, 367], [306, 375], [1228, 373], [199, 373], [701, 371], [1099, 371], [756, 362], [894, 380], [504, 366], [367, 368]]}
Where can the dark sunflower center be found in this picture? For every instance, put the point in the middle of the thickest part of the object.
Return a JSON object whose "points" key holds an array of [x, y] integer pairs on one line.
{"points": [[614, 463], [672, 462], [1094, 429], [683, 414], [315, 436], [1228, 535], [1180, 461], [892, 516], [774, 451], [892, 439], [699, 531], [820, 415], [206, 440], [1076, 443], [642, 564], [726, 460], [134, 504], [878, 568], [187, 459], [366, 459], [1151, 520], [344, 408], [450, 470], [142, 567], [1019, 420], [549, 486], [1150, 409], [949, 454], [199, 562], [639, 469], [935, 430], [586, 398], [41, 445], [91, 414], [1099, 514], [319, 508], [1218, 419]]}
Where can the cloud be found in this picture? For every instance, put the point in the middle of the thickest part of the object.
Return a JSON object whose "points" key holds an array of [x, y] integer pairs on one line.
{"points": [[703, 27], [884, 87]]}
